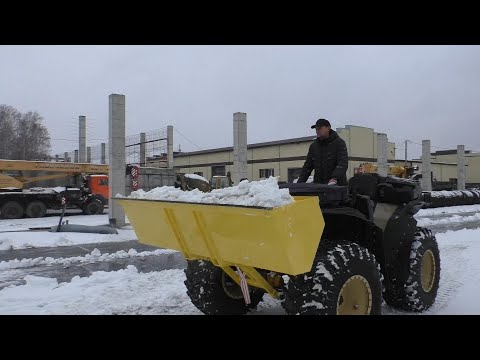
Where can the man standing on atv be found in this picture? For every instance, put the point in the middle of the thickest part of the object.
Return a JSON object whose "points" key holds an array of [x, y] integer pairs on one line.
{"points": [[327, 155]]}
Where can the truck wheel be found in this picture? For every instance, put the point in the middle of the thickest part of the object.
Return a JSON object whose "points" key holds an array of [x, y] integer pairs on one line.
{"points": [[213, 292], [345, 280], [418, 290], [12, 210], [36, 209], [94, 207]]}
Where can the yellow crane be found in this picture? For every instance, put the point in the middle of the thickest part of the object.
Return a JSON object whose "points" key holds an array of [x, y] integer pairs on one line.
{"points": [[59, 170], [396, 170]]}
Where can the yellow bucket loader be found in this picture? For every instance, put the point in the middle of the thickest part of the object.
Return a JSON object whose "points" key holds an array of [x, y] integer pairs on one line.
{"points": [[331, 251]]}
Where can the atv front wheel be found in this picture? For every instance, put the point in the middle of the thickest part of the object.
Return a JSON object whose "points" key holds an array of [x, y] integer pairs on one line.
{"points": [[417, 290], [345, 280], [213, 292]]}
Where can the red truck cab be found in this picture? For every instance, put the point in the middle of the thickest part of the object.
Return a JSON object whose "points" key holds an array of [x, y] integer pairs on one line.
{"points": [[98, 185]]}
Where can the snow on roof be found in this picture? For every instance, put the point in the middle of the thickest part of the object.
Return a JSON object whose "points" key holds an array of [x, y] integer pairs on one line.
{"points": [[196, 177], [60, 189], [263, 193]]}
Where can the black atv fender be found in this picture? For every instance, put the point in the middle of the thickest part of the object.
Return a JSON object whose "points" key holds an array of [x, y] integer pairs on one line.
{"points": [[398, 227]]}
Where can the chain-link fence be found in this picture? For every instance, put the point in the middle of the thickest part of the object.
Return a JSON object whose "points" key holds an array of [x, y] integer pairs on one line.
{"points": [[144, 149], [147, 149]]}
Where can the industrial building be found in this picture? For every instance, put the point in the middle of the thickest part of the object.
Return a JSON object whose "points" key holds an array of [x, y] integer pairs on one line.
{"points": [[285, 158], [472, 165]]}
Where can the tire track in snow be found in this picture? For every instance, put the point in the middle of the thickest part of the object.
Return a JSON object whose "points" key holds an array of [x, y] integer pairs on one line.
{"points": [[453, 275]]}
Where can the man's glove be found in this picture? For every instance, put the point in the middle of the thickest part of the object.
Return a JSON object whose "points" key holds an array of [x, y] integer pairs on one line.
{"points": [[332, 182]]}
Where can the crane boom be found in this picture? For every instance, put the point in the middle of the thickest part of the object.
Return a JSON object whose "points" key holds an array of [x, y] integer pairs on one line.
{"points": [[70, 168], [58, 169]]}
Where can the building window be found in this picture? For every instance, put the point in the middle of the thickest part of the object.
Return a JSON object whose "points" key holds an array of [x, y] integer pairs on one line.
{"points": [[200, 173], [218, 170], [293, 173], [266, 173]]}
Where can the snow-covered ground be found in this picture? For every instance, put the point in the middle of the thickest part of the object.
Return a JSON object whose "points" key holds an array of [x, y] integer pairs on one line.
{"points": [[129, 291], [448, 210], [13, 236], [26, 223], [120, 292], [23, 240], [453, 218], [94, 256]]}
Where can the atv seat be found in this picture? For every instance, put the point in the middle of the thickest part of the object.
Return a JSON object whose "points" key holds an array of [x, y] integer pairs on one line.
{"points": [[328, 195]]}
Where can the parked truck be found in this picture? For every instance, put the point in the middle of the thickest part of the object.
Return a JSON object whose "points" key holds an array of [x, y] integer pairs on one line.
{"points": [[88, 188]]}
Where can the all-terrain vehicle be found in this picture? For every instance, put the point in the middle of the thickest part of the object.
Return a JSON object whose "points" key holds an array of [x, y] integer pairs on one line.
{"points": [[335, 250]]}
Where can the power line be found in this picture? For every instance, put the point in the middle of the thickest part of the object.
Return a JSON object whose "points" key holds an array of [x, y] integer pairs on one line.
{"points": [[187, 138]]}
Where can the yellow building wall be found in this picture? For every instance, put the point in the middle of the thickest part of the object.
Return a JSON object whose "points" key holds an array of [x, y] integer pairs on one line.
{"points": [[362, 142], [266, 152], [473, 169], [290, 150], [471, 160], [344, 133]]}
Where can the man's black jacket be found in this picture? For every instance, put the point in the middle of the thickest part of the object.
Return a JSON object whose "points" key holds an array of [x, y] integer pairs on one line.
{"points": [[329, 158]]}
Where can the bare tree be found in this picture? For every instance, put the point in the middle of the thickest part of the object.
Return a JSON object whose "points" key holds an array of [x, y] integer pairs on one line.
{"points": [[23, 136], [9, 117]]}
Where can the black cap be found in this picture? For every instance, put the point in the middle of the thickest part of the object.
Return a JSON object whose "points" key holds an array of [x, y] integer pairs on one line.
{"points": [[321, 122]]}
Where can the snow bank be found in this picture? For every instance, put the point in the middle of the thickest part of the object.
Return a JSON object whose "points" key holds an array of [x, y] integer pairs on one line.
{"points": [[60, 189], [94, 256], [26, 223], [448, 220], [263, 193], [23, 240], [117, 292], [448, 210]]}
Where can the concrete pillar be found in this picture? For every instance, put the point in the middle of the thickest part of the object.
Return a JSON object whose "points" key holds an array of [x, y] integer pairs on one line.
{"points": [[56, 158], [239, 169], [460, 167], [170, 163], [116, 156], [143, 138], [382, 153], [426, 166], [76, 156], [82, 139], [89, 154], [65, 157], [103, 156]]}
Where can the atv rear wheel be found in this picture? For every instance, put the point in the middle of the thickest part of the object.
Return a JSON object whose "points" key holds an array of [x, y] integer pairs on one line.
{"points": [[213, 292], [418, 288], [345, 280]]}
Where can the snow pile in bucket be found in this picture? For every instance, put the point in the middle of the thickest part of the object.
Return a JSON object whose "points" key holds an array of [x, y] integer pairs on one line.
{"points": [[263, 193]]}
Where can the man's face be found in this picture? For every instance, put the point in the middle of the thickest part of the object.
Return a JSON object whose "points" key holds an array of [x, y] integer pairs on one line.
{"points": [[322, 131]]}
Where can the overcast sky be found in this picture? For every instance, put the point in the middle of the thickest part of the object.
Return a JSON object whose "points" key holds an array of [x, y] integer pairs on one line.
{"points": [[408, 92]]}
